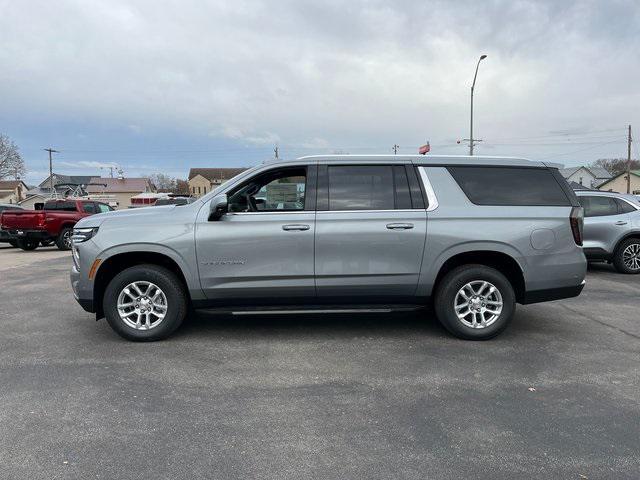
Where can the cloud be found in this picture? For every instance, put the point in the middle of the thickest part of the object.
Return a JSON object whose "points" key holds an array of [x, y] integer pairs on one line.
{"points": [[350, 73]]}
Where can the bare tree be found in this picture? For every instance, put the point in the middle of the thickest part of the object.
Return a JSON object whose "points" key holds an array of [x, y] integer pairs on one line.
{"points": [[615, 166], [11, 163], [163, 182], [182, 187]]}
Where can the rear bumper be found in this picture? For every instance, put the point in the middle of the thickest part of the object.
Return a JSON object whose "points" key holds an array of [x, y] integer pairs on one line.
{"points": [[15, 234], [547, 295]]}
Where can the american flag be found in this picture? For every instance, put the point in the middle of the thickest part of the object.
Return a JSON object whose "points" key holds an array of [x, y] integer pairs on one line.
{"points": [[424, 149]]}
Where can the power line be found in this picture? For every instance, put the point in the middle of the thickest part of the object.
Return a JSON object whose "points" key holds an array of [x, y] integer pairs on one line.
{"points": [[577, 151]]}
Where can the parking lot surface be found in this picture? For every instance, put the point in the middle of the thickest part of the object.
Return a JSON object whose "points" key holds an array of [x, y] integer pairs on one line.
{"points": [[316, 397]]}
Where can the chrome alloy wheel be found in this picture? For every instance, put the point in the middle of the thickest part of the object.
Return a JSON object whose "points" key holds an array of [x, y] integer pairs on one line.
{"points": [[142, 305], [631, 256], [478, 304]]}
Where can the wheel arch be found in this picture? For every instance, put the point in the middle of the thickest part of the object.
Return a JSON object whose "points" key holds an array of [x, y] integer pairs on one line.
{"points": [[627, 236], [499, 260], [118, 262]]}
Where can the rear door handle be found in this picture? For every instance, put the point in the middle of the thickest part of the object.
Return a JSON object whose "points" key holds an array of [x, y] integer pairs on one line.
{"points": [[295, 226], [399, 226], [621, 222]]}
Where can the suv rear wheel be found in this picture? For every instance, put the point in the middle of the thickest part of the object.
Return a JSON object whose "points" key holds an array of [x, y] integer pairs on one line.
{"points": [[626, 258], [474, 302], [145, 303]]}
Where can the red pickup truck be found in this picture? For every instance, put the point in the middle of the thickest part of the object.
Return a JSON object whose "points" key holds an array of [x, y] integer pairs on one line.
{"points": [[54, 222]]}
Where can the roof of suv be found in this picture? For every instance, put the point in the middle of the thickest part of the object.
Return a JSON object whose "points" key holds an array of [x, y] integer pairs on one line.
{"points": [[424, 160]]}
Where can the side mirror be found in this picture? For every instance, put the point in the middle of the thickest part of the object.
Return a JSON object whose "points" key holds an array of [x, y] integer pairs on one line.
{"points": [[218, 208]]}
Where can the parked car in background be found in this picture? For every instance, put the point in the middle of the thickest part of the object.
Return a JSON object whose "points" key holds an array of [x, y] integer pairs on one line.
{"points": [[470, 235], [54, 222], [612, 229], [174, 200], [4, 236]]}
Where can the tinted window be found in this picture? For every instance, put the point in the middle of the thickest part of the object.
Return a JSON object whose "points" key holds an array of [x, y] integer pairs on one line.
{"points": [[509, 186], [361, 188], [89, 207], [624, 207], [65, 206], [102, 208], [598, 206]]}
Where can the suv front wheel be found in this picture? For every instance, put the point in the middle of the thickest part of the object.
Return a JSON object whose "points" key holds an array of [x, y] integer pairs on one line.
{"points": [[145, 303], [474, 302]]}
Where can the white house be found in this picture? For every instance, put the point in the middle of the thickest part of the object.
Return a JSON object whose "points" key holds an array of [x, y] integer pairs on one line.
{"points": [[589, 177]]}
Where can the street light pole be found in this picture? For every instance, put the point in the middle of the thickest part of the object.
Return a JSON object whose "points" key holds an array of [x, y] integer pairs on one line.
{"points": [[482, 57]]}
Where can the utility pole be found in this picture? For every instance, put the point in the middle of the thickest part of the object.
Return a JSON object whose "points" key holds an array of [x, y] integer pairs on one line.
{"points": [[50, 150], [395, 148], [629, 161]]}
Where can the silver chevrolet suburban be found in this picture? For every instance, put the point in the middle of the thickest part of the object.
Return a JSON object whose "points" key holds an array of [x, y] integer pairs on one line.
{"points": [[470, 236]]}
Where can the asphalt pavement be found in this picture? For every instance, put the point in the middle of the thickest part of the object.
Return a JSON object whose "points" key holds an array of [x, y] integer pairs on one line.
{"points": [[316, 397]]}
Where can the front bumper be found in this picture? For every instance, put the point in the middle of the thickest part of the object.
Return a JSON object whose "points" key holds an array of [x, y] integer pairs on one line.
{"points": [[82, 291], [549, 294]]}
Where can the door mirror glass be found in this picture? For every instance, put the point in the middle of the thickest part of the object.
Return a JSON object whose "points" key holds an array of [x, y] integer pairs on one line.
{"points": [[218, 208]]}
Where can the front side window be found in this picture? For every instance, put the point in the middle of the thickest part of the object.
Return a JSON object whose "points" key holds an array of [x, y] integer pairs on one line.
{"points": [[275, 190], [355, 187], [517, 186], [102, 208], [596, 206]]}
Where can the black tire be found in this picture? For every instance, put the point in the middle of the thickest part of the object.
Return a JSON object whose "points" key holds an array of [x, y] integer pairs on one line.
{"points": [[13, 243], [63, 242], [171, 286], [632, 247], [446, 296], [27, 244]]}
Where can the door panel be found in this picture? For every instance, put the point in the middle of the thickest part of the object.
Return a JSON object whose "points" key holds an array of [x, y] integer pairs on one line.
{"points": [[603, 232], [262, 255], [361, 254]]}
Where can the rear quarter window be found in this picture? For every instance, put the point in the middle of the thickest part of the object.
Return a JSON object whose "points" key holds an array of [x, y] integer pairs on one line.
{"points": [[519, 186]]}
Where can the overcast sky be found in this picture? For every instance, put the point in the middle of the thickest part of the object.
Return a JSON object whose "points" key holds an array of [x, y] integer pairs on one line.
{"points": [[161, 86]]}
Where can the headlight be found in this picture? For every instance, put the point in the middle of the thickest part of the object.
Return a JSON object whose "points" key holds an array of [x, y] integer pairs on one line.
{"points": [[83, 234]]}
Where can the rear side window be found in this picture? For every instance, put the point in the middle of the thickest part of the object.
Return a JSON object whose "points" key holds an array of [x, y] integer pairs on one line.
{"points": [[600, 206], [510, 186], [624, 207], [361, 187], [89, 207], [65, 206]]}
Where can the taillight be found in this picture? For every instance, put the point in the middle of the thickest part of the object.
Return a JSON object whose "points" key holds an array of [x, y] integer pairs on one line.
{"points": [[576, 219], [41, 219]]}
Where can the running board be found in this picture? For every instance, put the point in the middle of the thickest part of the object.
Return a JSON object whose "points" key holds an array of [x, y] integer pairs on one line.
{"points": [[297, 310]]}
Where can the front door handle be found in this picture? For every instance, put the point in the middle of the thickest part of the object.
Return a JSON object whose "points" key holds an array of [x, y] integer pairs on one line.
{"points": [[399, 226], [621, 222], [295, 226]]}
